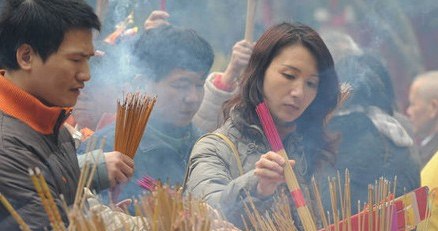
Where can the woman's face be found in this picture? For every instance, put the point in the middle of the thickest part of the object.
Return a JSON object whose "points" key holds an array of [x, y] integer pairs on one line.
{"points": [[290, 83]]}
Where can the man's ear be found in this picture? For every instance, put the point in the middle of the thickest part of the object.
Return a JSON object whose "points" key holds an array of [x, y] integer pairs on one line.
{"points": [[25, 55], [434, 108]]}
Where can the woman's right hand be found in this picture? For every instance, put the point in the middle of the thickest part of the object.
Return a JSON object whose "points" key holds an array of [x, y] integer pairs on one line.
{"points": [[270, 171], [240, 56]]}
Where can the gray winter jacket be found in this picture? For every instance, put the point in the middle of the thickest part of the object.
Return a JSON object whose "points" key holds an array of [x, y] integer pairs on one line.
{"points": [[31, 136], [213, 173]]}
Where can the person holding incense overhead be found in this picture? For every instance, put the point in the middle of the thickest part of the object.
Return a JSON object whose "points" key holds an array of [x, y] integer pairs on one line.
{"points": [[42, 78], [373, 143], [290, 71]]}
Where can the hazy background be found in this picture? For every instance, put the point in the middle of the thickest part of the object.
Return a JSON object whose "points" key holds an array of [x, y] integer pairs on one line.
{"points": [[404, 33]]}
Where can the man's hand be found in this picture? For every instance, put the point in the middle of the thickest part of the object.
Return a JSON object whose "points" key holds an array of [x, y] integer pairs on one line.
{"points": [[120, 167]]}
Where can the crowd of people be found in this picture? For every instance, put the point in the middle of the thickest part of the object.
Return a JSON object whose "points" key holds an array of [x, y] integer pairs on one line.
{"points": [[204, 135]]}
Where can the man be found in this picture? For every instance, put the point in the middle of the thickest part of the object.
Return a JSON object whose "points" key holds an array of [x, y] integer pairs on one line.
{"points": [[172, 63], [45, 46], [423, 112]]}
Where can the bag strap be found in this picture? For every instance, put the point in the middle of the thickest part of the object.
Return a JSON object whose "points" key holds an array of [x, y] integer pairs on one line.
{"points": [[233, 149], [229, 143]]}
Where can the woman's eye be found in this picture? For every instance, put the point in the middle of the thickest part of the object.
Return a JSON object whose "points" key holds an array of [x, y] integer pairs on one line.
{"points": [[289, 76]]}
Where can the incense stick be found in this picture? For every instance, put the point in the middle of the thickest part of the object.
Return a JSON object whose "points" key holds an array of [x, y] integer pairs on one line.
{"points": [[51, 202], [249, 27], [274, 140], [23, 226], [43, 198], [319, 204]]}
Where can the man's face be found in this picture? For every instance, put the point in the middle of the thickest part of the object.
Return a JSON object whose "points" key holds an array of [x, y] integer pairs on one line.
{"points": [[58, 80], [179, 97], [419, 111]]}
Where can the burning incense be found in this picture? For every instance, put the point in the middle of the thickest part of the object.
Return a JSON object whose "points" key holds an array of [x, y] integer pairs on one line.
{"points": [[249, 27], [132, 116], [13, 212], [291, 180]]}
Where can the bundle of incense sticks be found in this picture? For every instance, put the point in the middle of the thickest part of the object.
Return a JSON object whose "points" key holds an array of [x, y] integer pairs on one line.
{"points": [[280, 218], [148, 183], [132, 116], [274, 140], [382, 212], [168, 210], [163, 209]]}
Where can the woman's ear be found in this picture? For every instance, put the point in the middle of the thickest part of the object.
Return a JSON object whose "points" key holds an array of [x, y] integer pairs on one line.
{"points": [[25, 55]]}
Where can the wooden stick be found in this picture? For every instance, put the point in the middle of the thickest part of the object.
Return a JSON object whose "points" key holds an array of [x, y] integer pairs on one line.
{"points": [[319, 203], [249, 27], [46, 191], [333, 200], [23, 226], [370, 206], [347, 199], [43, 198]]}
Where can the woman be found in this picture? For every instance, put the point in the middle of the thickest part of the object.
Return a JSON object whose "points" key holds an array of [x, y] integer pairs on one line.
{"points": [[292, 71]]}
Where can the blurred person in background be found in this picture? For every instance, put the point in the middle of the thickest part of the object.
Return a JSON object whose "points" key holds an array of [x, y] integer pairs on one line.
{"points": [[373, 143], [423, 112]]}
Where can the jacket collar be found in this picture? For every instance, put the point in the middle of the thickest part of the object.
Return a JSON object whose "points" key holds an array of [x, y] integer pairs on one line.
{"points": [[23, 106]]}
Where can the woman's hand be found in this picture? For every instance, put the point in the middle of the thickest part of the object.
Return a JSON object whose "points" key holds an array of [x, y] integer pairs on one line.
{"points": [[156, 19], [240, 55], [270, 171]]}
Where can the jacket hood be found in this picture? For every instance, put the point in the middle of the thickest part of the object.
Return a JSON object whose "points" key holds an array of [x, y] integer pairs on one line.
{"points": [[384, 123]]}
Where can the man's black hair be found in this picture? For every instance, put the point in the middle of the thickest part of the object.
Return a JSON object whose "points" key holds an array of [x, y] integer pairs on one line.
{"points": [[161, 50], [42, 24]]}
